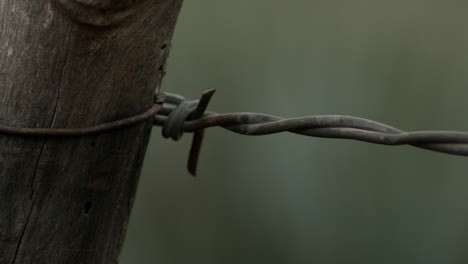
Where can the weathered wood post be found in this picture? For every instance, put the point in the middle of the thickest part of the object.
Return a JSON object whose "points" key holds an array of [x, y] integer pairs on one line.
{"points": [[75, 63]]}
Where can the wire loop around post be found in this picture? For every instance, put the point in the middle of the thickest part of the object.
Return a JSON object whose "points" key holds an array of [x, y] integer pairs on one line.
{"points": [[174, 126], [82, 131]]}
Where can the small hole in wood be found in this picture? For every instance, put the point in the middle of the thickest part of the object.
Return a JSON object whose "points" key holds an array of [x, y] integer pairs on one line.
{"points": [[87, 207], [164, 46]]}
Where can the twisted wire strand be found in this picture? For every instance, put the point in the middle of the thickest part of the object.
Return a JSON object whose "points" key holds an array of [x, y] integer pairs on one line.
{"points": [[323, 126]]}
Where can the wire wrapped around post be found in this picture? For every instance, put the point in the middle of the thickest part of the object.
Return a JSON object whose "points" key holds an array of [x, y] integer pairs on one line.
{"points": [[177, 116]]}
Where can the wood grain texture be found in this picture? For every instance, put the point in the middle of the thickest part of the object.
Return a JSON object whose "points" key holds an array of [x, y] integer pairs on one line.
{"points": [[68, 200]]}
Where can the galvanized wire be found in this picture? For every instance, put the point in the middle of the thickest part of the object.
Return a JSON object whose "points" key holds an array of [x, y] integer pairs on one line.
{"points": [[323, 126]]}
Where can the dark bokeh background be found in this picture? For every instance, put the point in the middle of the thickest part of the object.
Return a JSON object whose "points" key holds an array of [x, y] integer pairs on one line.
{"points": [[291, 199]]}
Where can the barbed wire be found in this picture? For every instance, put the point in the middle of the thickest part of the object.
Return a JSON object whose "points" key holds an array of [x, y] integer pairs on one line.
{"points": [[179, 115]]}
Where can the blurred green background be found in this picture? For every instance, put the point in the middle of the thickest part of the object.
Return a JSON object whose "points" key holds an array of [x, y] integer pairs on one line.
{"points": [[290, 199]]}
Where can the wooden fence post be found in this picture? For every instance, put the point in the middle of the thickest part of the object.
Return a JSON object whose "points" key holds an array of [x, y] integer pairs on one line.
{"points": [[75, 63]]}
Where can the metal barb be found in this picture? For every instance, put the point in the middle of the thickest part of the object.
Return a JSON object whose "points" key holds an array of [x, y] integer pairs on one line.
{"points": [[185, 111], [197, 139], [324, 126]]}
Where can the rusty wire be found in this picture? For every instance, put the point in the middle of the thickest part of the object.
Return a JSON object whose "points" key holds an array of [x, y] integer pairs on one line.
{"points": [[176, 118]]}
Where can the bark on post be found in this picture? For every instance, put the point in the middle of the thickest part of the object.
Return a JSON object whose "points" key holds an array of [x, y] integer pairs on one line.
{"points": [[74, 63]]}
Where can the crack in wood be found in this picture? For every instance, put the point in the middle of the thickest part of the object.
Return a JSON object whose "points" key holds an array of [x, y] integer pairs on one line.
{"points": [[54, 113], [21, 239], [31, 187]]}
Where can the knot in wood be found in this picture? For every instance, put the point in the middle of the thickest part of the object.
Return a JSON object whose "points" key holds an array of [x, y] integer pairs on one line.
{"points": [[101, 13]]}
